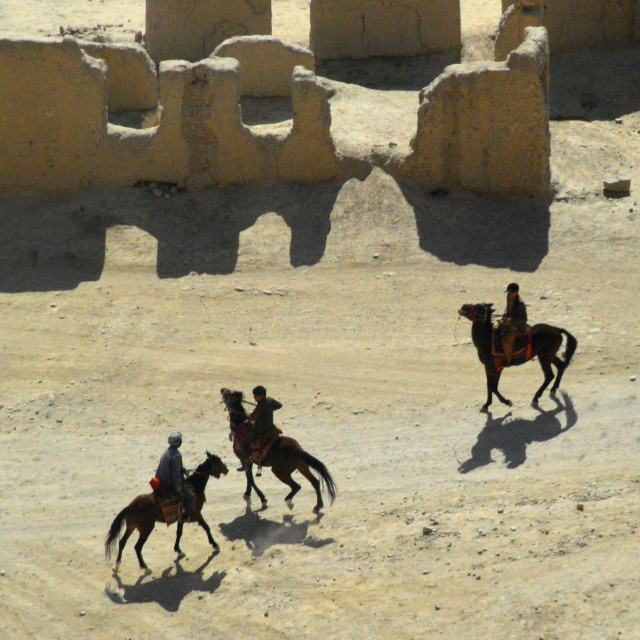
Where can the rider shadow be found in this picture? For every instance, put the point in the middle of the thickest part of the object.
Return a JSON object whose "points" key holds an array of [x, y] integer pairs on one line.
{"points": [[513, 437], [259, 534], [169, 591]]}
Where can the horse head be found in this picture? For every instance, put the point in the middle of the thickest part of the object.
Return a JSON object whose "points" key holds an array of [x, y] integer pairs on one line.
{"points": [[480, 312], [214, 466]]}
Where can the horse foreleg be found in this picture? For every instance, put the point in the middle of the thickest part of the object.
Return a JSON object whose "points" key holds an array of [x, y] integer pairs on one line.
{"points": [[305, 471], [248, 467], [144, 534], [548, 377], [493, 378], [201, 521], [176, 546]]}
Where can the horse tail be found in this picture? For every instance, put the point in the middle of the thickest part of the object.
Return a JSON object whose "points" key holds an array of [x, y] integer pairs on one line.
{"points": [[325, 476], [114, 532], [570, 349]]}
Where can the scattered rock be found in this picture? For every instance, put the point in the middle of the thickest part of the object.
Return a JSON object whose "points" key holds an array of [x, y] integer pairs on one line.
{"points": [[580, 506], [617, 185]]}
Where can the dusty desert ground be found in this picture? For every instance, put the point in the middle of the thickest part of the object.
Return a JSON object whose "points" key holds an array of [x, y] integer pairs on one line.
{"points": [[123, 314]]}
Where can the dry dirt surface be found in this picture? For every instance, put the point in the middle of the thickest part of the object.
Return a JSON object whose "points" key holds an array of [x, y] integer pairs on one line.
{"points": [[123, 314]]}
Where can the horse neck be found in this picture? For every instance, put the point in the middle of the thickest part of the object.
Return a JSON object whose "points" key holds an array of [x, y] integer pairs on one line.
{"points": [[481, 336], [199, 480], [237, 414]]}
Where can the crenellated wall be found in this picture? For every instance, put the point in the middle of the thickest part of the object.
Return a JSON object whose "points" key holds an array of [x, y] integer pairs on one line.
{"points": [[266, 63], [55, 136], [370, 28], [132, 81], [485, 126]]}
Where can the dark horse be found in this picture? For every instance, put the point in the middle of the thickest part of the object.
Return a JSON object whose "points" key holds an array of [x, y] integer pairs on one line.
{"points": [[284, 457], [545, 343], [144, 511]]}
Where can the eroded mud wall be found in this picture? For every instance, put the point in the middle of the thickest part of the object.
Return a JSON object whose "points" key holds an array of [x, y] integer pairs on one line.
{"points": [[192, 29], [485, 126], [576, 23], [370, 28]]}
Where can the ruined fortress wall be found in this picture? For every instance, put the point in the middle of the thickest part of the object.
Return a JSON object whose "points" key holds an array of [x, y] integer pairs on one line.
{"points": [[266, 63], [513, 23], [52, 114], [192, 29], [225, 151], [485, 126], [132, 83], [369, 28], [576, 23], [54, 133]]}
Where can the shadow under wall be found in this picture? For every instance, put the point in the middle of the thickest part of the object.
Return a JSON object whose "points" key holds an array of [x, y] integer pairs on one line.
{"points": [[59, 242], [388, 73], [466, 228], [595, 83]]}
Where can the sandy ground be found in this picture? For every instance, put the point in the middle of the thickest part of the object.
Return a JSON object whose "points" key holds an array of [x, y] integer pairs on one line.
{"points": [[124, 314]]}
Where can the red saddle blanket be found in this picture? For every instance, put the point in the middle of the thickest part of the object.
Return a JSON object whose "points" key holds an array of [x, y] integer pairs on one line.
{"points": [[521, 349]]}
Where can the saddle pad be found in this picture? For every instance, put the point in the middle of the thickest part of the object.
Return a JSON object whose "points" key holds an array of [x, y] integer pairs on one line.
{"points": [[170, 510]]}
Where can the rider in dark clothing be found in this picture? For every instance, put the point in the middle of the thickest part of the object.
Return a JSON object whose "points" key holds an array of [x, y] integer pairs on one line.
{"points": [[514, 320], [261, 418]]}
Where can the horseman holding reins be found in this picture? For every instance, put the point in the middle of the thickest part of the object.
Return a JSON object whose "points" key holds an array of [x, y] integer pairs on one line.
{"points": [[514, 321]]}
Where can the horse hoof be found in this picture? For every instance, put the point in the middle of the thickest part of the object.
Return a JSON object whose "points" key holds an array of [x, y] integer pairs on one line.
{"points": [[289, 503], [264, 504], [508, 403], [116, 569], [317, 509], [181, 555], [215, 546], [146, 571], [484, 409], [534, 403]]}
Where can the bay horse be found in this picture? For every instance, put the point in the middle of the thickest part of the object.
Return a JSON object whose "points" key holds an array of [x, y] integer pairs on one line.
{"points": [[545, 343], [285, 455], [145, 510]]}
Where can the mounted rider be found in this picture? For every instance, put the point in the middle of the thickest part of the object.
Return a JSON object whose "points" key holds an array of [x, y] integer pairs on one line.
{"points": [[514, 321], [171, 475], [263, 430]]}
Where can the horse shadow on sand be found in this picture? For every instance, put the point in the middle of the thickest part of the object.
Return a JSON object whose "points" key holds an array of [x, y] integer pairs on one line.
{"points": [[512, 436], [259, 534], [169, 590]]}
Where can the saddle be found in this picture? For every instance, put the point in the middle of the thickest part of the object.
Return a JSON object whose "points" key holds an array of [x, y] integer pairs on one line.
{"points": [[169, 501], [521, 349], [260, 448]]}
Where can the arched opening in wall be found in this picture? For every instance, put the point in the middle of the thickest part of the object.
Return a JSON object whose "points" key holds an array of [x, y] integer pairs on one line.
{"points": [[144, 119], [127, 249], [265, 114]]}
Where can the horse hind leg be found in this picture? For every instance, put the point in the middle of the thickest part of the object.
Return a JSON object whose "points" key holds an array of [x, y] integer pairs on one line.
{"points": [[285, 476], [121, 545], [561, 366], [144, 534], [306, 472], [548, 377]]}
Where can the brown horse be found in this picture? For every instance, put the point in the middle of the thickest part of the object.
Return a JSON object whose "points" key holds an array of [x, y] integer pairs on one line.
{"points": [[545, 343], [284, 457], [144, 511]]}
